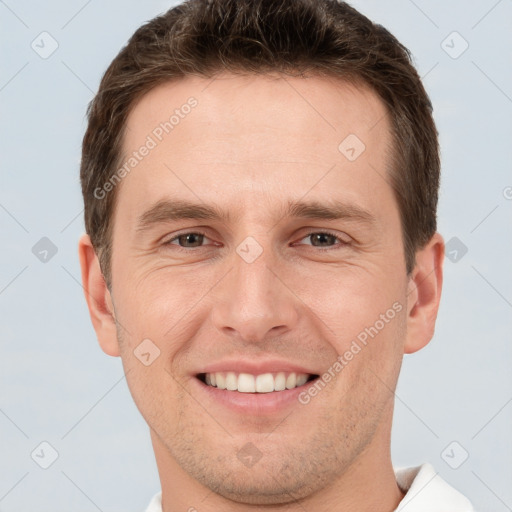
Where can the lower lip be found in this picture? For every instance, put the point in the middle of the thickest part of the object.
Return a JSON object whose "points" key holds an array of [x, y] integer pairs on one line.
{"points": [[253, 403]]}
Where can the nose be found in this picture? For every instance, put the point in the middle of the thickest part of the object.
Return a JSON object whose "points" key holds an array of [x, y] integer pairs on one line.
{"points": [[253, 301]]}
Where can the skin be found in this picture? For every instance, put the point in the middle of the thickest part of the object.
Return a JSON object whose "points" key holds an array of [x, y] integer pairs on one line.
{"points": [[250, 145]]}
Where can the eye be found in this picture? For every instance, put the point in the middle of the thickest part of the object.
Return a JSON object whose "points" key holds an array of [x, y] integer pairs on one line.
{"points": [[324, 239], [188, 240]]}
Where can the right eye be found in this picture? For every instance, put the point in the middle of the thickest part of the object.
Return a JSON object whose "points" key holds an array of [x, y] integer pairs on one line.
{"points": [[188, 240]]}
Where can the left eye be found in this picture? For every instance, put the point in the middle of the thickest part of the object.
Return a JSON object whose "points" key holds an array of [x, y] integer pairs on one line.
{"points": [[323, 239], [188, 240]]}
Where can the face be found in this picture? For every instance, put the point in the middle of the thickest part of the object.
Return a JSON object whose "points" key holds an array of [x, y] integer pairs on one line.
{"points": [[257, 246]]}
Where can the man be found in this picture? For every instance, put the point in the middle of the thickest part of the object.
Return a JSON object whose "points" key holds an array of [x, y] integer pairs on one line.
{"points": [[260, 182]]}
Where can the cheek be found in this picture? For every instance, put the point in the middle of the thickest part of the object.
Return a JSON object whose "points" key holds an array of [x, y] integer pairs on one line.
{"points": [[356, 303], [148, 362], [156, 393], [164, 303], [368, 365], [363, 317]]}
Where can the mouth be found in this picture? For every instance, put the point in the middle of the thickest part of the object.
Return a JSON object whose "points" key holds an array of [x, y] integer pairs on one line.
{"points": [[261, 383]]}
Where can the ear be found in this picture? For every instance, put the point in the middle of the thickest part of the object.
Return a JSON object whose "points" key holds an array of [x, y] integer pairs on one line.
{"points": [[97, 295], [424, 294]]}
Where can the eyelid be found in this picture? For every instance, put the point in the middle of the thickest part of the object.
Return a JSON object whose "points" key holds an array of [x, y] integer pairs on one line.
{"points": [[186, 232], [327, 232]]}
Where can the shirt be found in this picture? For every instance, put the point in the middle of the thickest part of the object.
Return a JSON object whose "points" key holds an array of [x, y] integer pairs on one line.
{"points": [[425, 492]]}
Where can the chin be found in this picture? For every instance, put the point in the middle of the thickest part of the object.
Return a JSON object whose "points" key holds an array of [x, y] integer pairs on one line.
{"points": [[261, 486], [280, 475]]}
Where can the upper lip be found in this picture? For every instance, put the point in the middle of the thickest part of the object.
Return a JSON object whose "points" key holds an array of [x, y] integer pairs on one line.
{"points": [[255, 367]]}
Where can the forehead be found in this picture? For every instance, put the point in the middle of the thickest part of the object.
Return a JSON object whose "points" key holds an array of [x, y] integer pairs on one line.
{"points": [[246, 140], [321, 104]]}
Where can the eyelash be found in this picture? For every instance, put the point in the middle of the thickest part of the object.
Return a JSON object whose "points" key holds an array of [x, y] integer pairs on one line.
{"points": [[314, 232], [341, 243]]}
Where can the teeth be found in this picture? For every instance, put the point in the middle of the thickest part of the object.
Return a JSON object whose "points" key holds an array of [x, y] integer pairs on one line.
{"points": [[246, 383], [291, 381], [264, 383], [280, 382], [220, 380], [301, 380], [231, 381]]}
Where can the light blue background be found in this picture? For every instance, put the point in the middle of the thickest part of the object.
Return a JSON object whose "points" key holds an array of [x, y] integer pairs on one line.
{"points": [[55, 383]]}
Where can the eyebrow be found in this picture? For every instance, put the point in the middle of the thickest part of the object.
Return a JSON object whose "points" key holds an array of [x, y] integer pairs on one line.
{"points": [[178, 209], [333, 210]]}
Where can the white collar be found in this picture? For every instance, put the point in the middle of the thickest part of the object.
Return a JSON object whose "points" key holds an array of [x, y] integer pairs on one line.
{"points": [[428, 492]]}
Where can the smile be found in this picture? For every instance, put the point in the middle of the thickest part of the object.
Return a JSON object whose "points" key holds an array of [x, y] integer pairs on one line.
{"points": [[249, 383]]}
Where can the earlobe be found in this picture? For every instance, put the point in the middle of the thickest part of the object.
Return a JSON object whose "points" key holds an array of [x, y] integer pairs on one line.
{"points": [[424, 294], [98, 298]]}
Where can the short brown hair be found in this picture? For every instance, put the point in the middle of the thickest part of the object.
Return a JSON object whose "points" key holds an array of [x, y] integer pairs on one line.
{"points": [[324, 37]]}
